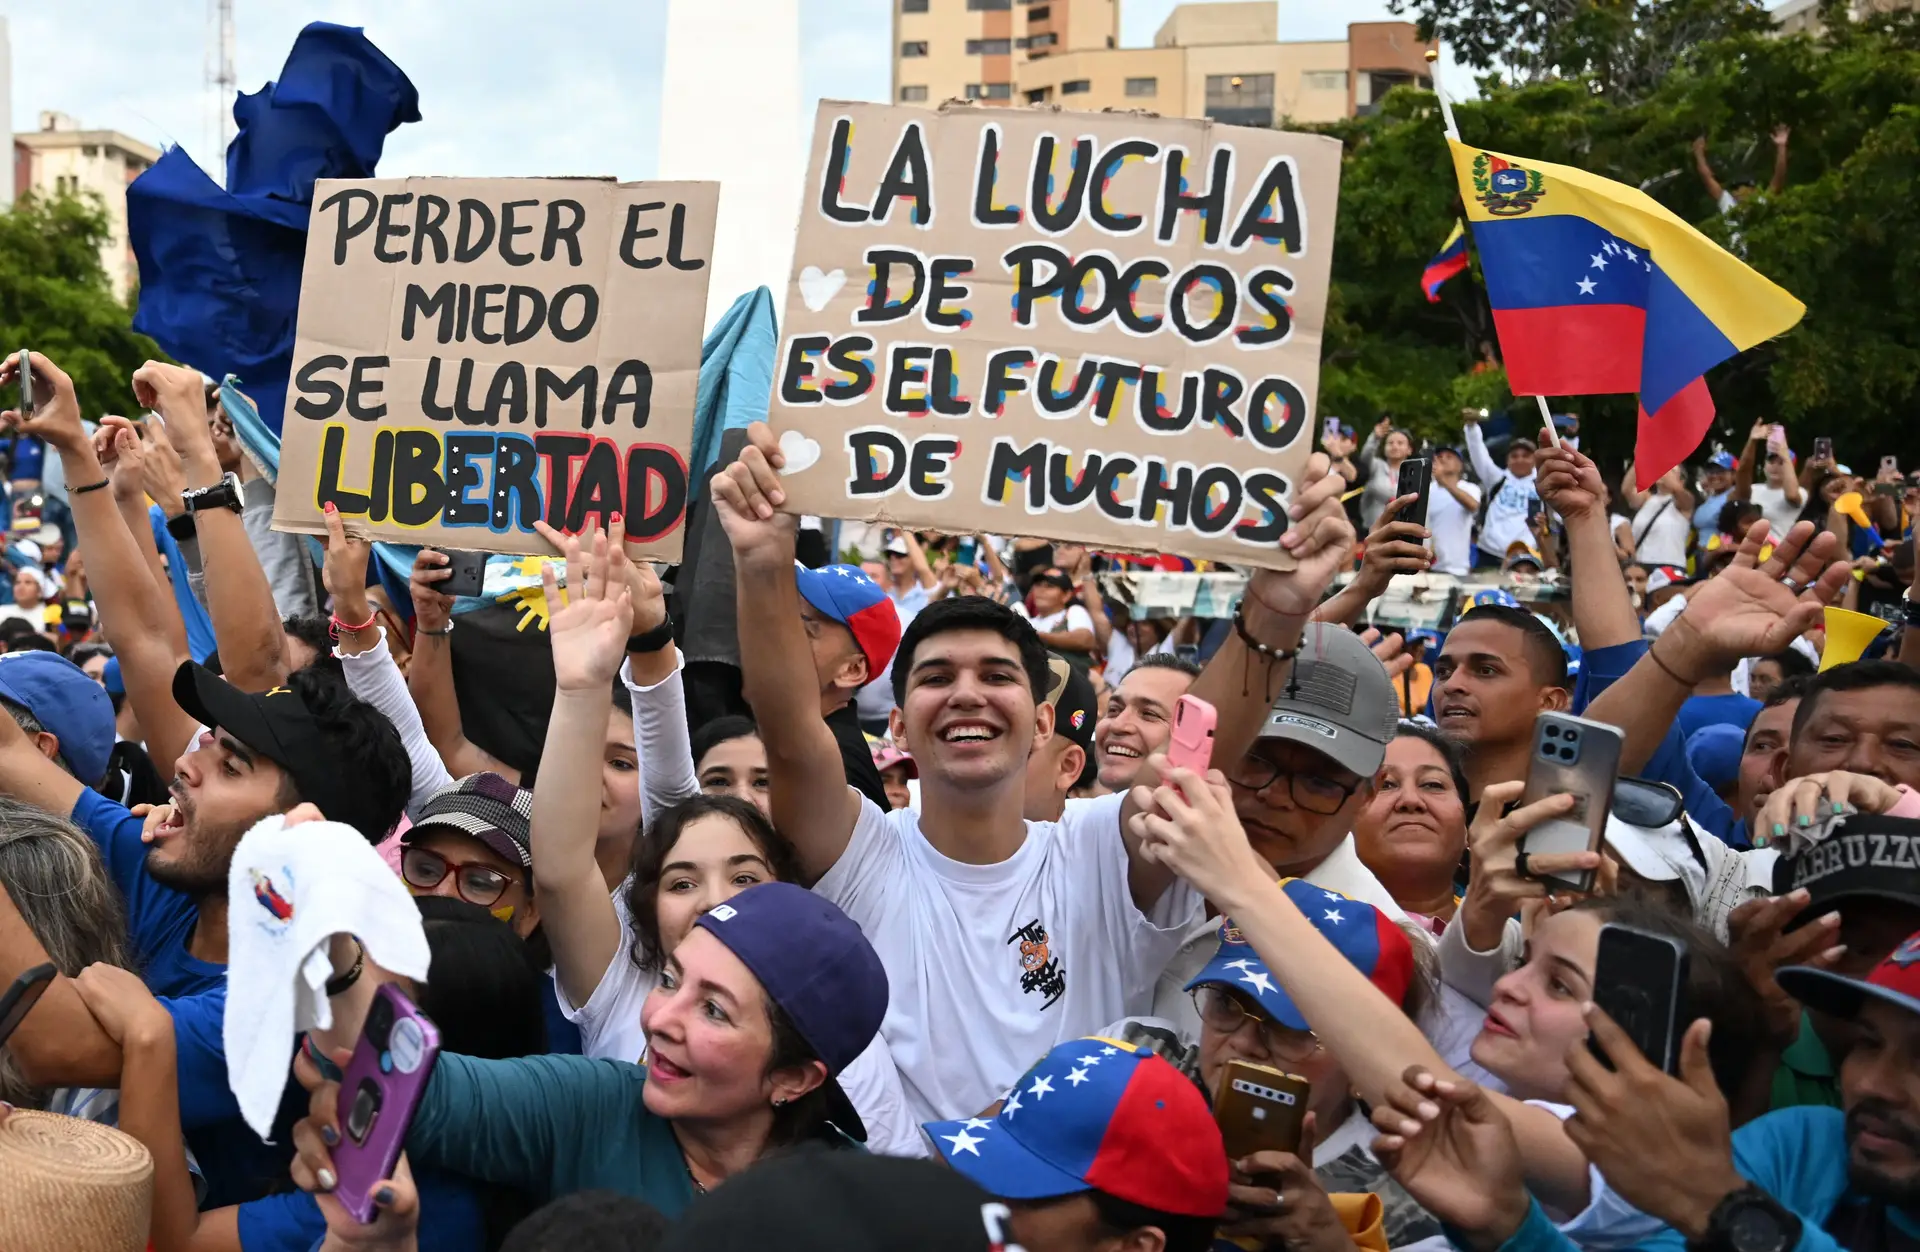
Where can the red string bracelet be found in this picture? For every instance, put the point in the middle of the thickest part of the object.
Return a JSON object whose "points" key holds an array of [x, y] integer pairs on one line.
{"points": [[335, 625]]}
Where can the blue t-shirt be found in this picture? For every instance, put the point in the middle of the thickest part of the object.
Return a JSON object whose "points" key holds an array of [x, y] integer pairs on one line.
{"points": [[238, 1166], [1706, 517], [160, 920], [451, 1218], [1730, 709]]}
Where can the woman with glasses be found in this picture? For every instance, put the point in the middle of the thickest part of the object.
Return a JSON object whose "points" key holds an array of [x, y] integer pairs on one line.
{"points": [[1244, 1014]]}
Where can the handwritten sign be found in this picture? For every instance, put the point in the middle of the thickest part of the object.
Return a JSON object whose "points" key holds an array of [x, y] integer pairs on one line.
{"points": [[474, 355], [1102, 328]]}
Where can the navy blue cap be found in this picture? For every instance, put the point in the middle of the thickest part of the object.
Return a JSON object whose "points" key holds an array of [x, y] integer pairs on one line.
{"points": [[815, 964], [73, 707], [1565, 421], [1722, 460]]}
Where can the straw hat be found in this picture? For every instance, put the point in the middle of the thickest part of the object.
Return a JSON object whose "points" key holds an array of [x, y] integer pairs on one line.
{"points": [[73, 1185]]}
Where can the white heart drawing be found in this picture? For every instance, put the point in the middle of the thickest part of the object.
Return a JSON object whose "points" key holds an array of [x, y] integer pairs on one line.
{"points": [[800, 451], [818, 287]]}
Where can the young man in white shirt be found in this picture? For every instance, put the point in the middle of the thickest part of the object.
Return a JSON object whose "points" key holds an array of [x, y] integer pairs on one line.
{"points": [[1001, 937], [1452, 505], [1509, 494], [1780, 497]]}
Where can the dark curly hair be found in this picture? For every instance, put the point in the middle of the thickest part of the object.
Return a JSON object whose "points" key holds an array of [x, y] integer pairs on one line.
{"points": [[972, 613], [378, 776], [651, 849]]}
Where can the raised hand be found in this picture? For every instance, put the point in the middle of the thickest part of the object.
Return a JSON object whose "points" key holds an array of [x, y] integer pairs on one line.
{"points": [[1391, 649], [345, 570], [123, 455], [1320, 541], [431, 609], [1451, 1147], [1763, 945], [590, 627], [396, 1217], [179, 395], [1496, 889], [1800, 805], [1568, 481], [162, 474], [748, 494], [56, 413], [1394, 547], [1753, 608], [1665, 1144], [1187, 824]]}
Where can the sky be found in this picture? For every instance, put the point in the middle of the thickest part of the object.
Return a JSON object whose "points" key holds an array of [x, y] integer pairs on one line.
{"points": [[507, 88]]}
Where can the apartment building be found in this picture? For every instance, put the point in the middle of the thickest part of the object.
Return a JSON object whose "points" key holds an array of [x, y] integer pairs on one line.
{"points": [[969, 49], [60, 158]]}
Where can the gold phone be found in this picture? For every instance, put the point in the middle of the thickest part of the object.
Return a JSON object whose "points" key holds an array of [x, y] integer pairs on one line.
{"points": [[1260, 1109]]}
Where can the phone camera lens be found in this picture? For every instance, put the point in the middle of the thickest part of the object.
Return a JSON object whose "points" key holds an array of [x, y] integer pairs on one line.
{"points": [[1568, 754], [1553, 732], [379, 1022]]}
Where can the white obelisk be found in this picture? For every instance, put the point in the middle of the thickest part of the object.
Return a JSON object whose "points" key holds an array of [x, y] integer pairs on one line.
{"points": [[730, 112]]}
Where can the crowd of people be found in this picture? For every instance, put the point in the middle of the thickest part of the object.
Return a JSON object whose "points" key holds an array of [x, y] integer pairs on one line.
{"points": [[939, 939]]}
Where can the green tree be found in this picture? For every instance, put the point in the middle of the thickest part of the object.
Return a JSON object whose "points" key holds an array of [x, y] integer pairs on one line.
{"points": [[1839, 236], [55, 299]]}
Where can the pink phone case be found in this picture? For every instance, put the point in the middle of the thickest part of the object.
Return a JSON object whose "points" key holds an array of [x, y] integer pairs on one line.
{"points": [[1192, 744], [379, 1091]]}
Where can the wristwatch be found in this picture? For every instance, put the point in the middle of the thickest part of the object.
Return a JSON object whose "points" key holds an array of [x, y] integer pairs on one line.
{"points": [[652, 640], [180, 526], [224, 494], [1749, 1220]]}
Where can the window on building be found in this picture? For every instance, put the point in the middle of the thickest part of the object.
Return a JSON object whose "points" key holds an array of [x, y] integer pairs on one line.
{"points": [[915, 48], [1240, 99], [1324, 80], [1040, 95], [1039, 13], [989, 91], [1045, 39], [989, 6], [1143, 86], [913, 6], [1076, 87], [912, 95], [90, 150], [989, 47]]}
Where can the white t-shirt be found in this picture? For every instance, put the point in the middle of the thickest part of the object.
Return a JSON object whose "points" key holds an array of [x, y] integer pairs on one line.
{"points": [[1452, 527], [1073, 617], [1780, 512], [990, 966], [1506, 522], [609, 1025], [1660, 532]]}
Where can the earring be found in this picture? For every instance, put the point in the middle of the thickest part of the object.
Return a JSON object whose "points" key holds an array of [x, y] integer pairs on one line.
{"points": [[780, 1103]]}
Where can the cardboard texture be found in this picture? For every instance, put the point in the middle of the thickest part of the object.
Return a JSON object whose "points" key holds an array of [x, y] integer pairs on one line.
{"points": [[474, 354], [1095, 327]]}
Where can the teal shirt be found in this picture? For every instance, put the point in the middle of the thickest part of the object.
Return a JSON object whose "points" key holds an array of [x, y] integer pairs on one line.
{"points": [[550, 1126]]}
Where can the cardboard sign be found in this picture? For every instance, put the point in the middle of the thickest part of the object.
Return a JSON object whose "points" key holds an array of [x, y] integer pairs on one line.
{"points": [[474, 355], [1102, 328]]}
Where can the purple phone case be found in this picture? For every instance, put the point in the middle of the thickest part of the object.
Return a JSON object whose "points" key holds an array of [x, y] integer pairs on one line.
{"points": [[379, 1091]]}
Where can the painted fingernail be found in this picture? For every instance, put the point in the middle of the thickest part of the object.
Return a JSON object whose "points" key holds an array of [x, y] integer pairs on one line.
{"points": [[1806, 819], [383, 1197], [1779, 830], [329, 1135], [1834, 953], [325, 1179]]}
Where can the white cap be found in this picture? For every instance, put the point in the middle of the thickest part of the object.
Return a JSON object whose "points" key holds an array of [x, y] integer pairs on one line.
{"points": [[1658, 854]]}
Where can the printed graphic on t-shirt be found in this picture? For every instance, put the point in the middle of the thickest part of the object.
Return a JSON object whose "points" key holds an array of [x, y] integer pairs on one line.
{"points": [[1039, 969]]}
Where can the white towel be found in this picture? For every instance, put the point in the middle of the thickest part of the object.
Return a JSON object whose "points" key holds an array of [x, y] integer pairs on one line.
{"points": [[290, 890]]}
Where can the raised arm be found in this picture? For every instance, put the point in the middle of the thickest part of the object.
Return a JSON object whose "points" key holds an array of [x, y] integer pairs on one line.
{"points": [[1483, 467], [1749, 457], [1602, 610], [1745, 610], [918, 555], [1712, 184], [1630, 493], [1779, 179], [1088, 583], [123, 454], [812, 804], [366, 660], [430, 673], [1392, 547], [1240, 681], [245, 622], [589, 634]]}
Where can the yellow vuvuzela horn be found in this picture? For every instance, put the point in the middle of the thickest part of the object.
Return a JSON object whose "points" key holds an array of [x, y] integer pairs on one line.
{"points": [[1848, 634]]}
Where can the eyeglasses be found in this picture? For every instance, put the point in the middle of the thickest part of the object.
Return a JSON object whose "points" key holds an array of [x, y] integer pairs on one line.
{"points": [[474, 881], [1226, 1012], [1313, 792]]}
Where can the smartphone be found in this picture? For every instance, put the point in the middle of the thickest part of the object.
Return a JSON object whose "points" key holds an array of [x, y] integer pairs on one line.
{"points": [[1823, 449], [1416, 479], [1777, 435], [1329, 428], [1889, 465], [1640, 980], [1886, 489], [379, 1091], [1260, 1109], [1577, 757], [22, 996], [967, 551], [26, 383], [1535, 507], [1192, 742], [468, 576]]}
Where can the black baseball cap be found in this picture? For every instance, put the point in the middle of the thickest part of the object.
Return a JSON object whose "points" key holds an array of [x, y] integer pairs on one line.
{"points": [[820, 1199], [1056, 578], [1071, 696], [1866, 854], [276, 724]]}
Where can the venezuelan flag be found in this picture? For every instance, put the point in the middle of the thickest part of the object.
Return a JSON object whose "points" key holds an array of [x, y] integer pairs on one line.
{"points": [[1596, 288], [1450, 260]]}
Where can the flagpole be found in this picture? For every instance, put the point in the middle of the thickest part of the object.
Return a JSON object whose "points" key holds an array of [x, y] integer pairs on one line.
{"points": [[1453, 132]]}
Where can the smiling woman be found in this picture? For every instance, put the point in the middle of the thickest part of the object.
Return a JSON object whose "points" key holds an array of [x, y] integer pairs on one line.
{"points": [[1413, 831]]}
